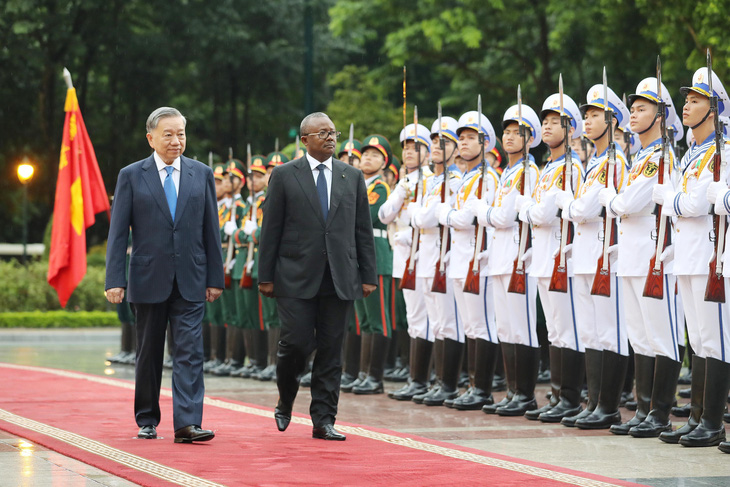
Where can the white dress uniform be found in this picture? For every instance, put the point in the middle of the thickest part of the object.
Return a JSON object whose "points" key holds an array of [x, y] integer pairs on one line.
{"points": [[601, 324], [541, 214], [396, 210]]}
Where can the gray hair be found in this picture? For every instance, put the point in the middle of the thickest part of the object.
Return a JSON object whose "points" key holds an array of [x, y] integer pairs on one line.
{"points": [[305, 123], [160, 113]]}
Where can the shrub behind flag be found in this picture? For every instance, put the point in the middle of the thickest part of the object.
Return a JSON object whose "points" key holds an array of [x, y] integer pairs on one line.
{"points": [[80, 194]]}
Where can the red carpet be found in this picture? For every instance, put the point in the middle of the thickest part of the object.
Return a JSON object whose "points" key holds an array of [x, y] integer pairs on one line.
{"points": [[90, 418]]}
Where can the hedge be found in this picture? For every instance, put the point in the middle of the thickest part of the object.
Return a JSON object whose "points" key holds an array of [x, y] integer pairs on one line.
{"points": [[58, 319]]}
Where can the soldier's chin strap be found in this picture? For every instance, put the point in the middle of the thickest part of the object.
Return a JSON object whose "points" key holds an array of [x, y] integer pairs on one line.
{"points": [[703, 119], [656, 115]]}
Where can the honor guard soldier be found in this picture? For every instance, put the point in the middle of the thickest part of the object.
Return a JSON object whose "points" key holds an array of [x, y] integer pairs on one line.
{"points": [[688, 202], [474, 301], [516, 313], [567, 360], [350, 152], [396, 213], [601, 327], [373, 311], [650, 320], [274, 159], [235, 351]]}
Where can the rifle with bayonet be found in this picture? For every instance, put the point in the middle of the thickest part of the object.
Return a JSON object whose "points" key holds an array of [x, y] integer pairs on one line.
{"points": [[559, 278], [409, 275], [471, 283], [654, 285], [351, 144], [602, 279], [715, 290], [229, 256], [627, 139], [517, 282], [439, 277], [246, 279]]}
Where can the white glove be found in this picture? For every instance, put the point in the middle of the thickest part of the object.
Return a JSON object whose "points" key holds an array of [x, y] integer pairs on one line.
{"points": [[520, 200], [416, 219], [613, 254], [229, 227], [400, 191], [527, 256], [566, 250], [232, 263], [523, 209], [660, 192], [563, 199], [714, 189], [668, 254], [606, 195], [249, 267], [483, 257], [249, 227], [404, 238], [443, 211]]}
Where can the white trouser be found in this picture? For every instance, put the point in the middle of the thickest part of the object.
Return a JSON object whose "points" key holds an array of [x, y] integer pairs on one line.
{"points": [[600, 319], [419, 325], [515, 313], [650, 323], [559, 309], [476, 310], [442, 307], [707, 322]]}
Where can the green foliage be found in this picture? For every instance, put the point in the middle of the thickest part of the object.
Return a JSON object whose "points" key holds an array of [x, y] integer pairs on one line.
{"points": [[24, 288], [58, 319]]}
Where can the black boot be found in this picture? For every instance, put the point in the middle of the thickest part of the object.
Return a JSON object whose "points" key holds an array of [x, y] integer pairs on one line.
{"points": [[711, 430], [438, 364], [509, 360], [470, 353], [366, 347], [528, 365], [420, 357], [613, 376], [572, 375], [451, 369], [593, 366], [373, 383], [628, 400], [269, 373], [352, 358], [556, 370], [644, 373], [485, 359], [696, 402], [662, 396]]}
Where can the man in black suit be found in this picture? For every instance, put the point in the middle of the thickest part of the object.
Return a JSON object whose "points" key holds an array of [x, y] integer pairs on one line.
{"points": [[316, 256], [169, 202]]}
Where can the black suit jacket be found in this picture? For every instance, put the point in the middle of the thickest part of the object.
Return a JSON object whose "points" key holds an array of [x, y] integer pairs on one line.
{"points": [[188, 249], [296, 242]]}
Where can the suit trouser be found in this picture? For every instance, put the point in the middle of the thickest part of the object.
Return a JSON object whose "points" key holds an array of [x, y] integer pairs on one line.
{"points": [[707, 322], [476, 311], [650, 322], [516, 313], [601, 324], [186, 335], [419, 325], [559, 309], [312, 324]]}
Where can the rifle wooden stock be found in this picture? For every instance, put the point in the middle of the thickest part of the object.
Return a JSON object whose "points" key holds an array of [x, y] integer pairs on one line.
{"points": [[559, 278], [408, 281], [654, 286], [439, 277], [473, 275], [602, 280], [517, 279], [715, 290]]}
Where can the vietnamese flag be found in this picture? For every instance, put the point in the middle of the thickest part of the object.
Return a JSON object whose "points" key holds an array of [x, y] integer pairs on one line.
{"points": [[80, 194]]}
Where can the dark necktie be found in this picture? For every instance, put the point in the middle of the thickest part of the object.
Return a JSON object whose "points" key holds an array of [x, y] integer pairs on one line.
{"points": [[322, 191], [170, 192]]}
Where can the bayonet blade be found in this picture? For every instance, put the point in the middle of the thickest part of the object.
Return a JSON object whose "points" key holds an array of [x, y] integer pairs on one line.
{"points": [[560, 90], [659, 78], [709, 72], [350, 143], [605, 90]]}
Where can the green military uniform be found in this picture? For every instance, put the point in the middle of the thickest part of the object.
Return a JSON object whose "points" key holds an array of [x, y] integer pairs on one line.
{"points": [[346, 146]]}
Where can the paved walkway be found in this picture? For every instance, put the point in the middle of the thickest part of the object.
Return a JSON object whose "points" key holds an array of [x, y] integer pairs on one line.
{"points": [[648, 462]]}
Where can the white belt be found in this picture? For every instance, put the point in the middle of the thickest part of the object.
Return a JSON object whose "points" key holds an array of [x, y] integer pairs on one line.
{"points": [[595, 219], [430, 231], [645, 212], [377, 232]]}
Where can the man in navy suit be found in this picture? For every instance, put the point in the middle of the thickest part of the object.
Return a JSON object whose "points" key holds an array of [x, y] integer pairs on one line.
{"points": [[316, 255], [169, 203]]}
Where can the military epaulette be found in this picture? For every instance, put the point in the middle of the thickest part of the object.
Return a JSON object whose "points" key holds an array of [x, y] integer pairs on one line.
{"points": [[454, 175], [657, 148]]}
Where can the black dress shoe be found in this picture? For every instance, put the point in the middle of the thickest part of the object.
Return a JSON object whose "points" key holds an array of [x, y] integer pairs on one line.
{"points": [[148, 432], [192, 433], [327, 432], [724, 447], [684, 393], [682, 411], [371, 385], [282, 417]]}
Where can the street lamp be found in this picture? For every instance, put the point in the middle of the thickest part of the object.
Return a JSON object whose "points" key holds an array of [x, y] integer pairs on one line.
{"points": [[25, 174]]}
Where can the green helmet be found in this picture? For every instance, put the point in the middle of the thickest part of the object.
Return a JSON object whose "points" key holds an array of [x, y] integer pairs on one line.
{"points": [[380, 143], [276, 159], [356, 148]]}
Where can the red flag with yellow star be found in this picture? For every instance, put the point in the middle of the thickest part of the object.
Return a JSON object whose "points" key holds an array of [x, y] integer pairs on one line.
{"points": [[80, 194]]}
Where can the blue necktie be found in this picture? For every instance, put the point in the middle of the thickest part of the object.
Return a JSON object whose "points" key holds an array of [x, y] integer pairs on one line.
{"points": [[322, 191], [170, 192]]}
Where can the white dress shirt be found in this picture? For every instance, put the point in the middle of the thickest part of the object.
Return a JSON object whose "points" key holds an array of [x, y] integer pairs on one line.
{"points": [[313, 163], [163, 172]]}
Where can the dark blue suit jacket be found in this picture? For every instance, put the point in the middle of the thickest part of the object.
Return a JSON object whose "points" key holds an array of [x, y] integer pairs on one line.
{"points": [[188, 249]]}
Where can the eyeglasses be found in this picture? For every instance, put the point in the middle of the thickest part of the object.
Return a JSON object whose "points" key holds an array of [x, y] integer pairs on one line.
{"points": [[323, 134]]}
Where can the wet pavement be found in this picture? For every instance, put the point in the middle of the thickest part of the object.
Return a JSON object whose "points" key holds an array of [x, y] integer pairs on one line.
{"points": [[645, 461]]}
